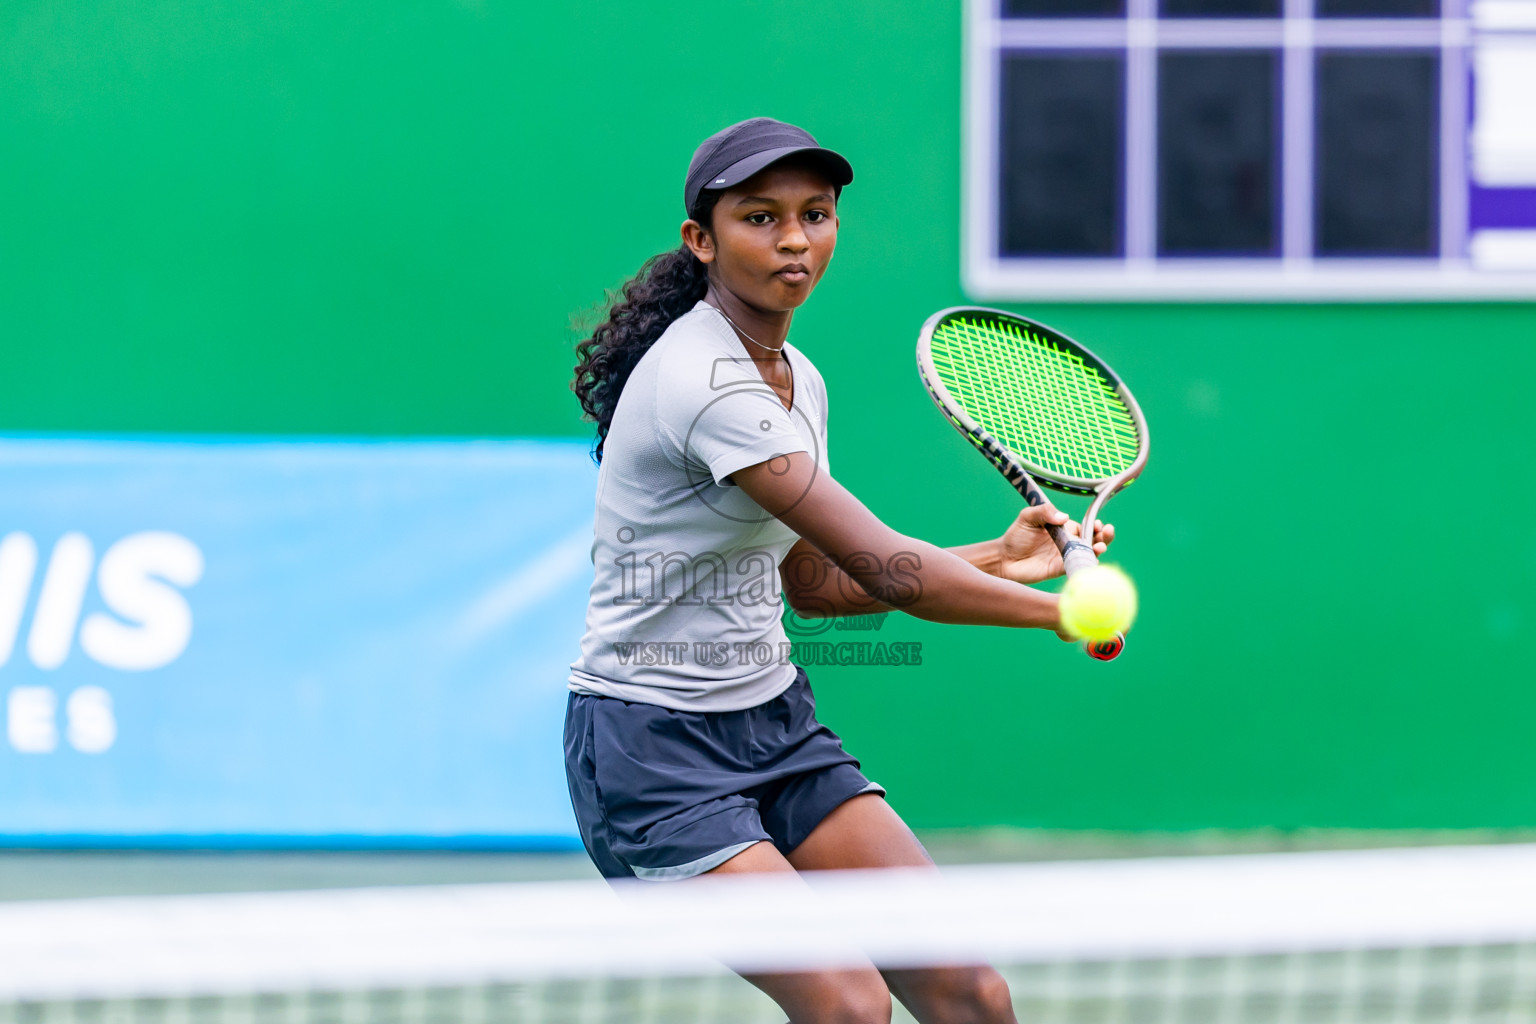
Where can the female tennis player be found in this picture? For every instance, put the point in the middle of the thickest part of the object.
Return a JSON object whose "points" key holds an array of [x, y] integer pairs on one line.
{"points": [[691, 739]]}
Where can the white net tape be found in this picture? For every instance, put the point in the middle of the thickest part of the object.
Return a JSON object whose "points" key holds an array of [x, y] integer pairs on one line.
{"points": [[1445, 934]]}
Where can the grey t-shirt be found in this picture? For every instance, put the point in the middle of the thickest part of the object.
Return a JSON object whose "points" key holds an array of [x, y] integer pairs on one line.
{"points": [[685, 603]]}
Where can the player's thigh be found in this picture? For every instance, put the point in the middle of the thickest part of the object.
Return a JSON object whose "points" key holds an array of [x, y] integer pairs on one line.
{"points": [[866, 832], [853, 996]]}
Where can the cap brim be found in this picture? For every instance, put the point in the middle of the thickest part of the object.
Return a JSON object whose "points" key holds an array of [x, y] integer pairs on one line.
{"points": [[839, 171]]}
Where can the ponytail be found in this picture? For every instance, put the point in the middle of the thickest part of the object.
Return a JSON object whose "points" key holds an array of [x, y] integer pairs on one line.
{"points": [[666, 287]]}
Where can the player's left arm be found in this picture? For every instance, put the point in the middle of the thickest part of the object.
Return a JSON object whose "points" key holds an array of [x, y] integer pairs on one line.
{"points": [[817, 589]]}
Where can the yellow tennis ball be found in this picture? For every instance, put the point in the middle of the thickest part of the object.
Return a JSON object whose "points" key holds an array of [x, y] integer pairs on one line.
{"points": [[1097, 603]]}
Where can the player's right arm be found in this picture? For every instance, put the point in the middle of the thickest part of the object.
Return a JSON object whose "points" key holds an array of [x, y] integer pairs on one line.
{"points": [[897, 571], [817, 589]]}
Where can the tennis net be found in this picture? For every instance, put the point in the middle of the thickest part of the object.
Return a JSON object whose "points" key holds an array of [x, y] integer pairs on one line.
{"points": [[1439, 934]]}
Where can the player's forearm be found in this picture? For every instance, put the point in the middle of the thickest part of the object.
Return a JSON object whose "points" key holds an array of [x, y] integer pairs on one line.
{"points": [[919, 578], [939, 585], [954, 585], [838, 598], [817, 589], [986, 555]]}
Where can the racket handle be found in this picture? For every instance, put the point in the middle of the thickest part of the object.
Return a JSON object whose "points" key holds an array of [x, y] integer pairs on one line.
{"points": [[1076, 553], [1075, 557]]}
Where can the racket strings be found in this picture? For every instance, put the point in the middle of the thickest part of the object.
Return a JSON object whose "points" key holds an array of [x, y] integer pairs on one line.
{"points": [[1043, 401]]}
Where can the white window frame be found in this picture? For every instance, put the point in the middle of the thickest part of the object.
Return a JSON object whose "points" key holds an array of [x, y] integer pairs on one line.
{"points": [[1140, 275]]}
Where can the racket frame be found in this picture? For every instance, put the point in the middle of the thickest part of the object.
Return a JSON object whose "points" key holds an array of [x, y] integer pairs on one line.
{"points": [[1076, 553]]}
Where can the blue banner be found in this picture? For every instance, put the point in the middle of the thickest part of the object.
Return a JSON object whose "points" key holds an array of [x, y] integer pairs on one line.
{"points": [[289, 642]]}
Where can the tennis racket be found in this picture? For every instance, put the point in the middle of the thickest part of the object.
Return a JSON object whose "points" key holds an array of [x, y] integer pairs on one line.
{"points": [[1041, 408]]}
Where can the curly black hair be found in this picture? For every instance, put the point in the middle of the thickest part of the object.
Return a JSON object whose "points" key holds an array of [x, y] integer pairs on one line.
{"points": [[666, 286]]}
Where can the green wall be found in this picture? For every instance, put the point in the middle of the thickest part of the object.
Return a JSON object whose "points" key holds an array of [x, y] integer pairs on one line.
{"points": [[300, 218]]}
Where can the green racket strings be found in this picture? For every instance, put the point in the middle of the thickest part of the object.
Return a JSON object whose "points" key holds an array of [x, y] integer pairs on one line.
{"points": [[1043, 401]]}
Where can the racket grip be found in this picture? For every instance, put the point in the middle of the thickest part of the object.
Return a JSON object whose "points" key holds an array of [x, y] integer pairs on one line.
{"points": [[1077, 556]]}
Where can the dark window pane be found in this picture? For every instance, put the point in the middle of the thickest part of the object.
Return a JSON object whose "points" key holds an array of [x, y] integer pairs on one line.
{"points": [[1222, 8], [1217, 154], [1378, 8], [1377, 154], [1061, 148], [1063, 8]]}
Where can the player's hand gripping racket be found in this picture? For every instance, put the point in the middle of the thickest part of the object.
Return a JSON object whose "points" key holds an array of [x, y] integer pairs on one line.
{"points": [[1040, 407]]}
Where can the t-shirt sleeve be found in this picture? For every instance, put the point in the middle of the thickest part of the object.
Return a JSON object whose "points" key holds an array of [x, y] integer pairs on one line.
{"points": [[719, 418]]}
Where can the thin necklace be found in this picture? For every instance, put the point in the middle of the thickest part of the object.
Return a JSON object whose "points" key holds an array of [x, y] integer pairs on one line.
{"points": [[749, 337]]}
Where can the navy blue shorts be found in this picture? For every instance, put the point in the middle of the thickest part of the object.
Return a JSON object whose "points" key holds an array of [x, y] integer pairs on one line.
{"points": [[662, 794]]}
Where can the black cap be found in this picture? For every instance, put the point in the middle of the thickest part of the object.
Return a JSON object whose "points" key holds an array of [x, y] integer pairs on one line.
{"points": [[732, 155]]}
